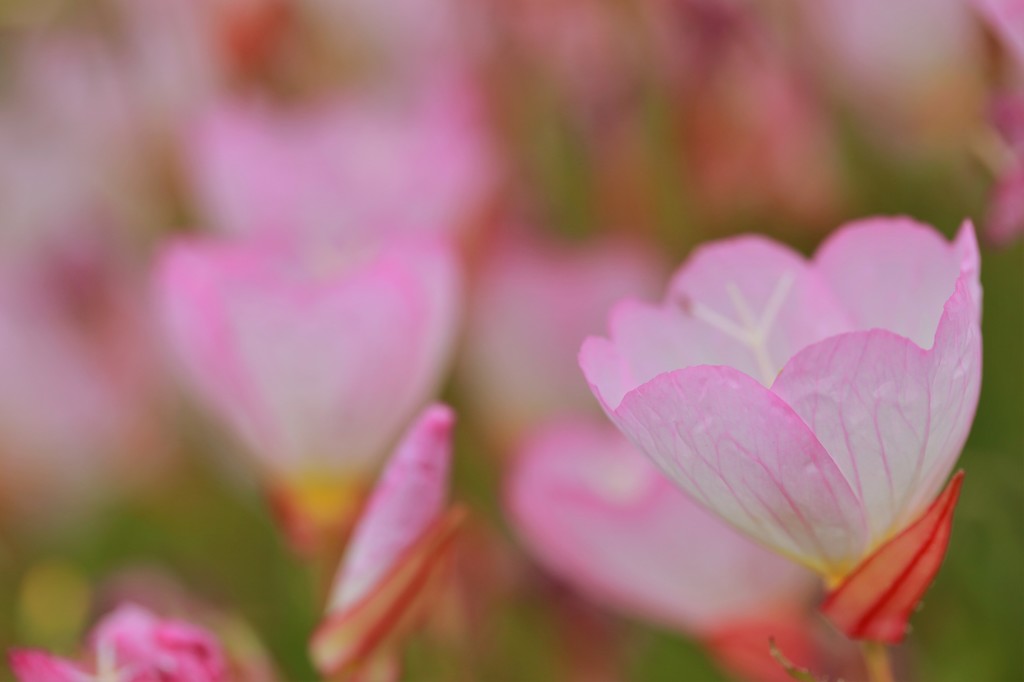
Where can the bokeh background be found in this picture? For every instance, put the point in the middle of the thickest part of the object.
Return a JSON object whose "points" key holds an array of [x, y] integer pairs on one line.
{"points": [[654, 123]]}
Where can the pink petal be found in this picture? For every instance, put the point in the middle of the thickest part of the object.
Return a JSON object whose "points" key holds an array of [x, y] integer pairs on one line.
{"points": [[533, 303], [1007, 18], [599, 515], [315, 370], [29, 665], [1006, 112], [740, 451], [138, 640], [350, 641], [1005, 220], [333, 170], [891, 273], [892, 415], [746, 303], [408, 499]]}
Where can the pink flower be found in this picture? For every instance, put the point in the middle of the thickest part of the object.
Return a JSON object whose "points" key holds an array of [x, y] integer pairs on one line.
{"points": [[396, 556], [533, 303], [73, 333], [598, 514], [316, 365], [1007, 18], [1005, 220], [755, 129], [912, 67], [583, 46], [315, 360], [132, 645], [818, 406], [350, 169]]}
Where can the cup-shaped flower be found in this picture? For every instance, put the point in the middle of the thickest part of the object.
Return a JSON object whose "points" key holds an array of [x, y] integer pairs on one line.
{"points": [[131, 644], [315, 363], [818, 406], [397, 558], [598, 514], [335, 170]]}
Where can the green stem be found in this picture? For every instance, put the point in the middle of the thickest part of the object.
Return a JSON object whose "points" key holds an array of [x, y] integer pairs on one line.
{"points": [[876, 658]]}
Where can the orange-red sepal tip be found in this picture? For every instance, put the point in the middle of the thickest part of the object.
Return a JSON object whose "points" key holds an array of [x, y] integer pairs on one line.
{"points": [[349, 642], [875, 601]]}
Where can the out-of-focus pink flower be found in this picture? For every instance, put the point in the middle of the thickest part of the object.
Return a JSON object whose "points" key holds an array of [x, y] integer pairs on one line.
{"points": [[132, 645], [817, 405], [1007, 18], [1005, 154], [173, 57], [397, 555], [59, 169], [79, 370], [316, 359], [38, 666], [598, 514], [759, 137], [584, 47], [911, 66], [349, 169], [1005, 221], [398, 41], [755, 129], [158, 591], [533, 303]]}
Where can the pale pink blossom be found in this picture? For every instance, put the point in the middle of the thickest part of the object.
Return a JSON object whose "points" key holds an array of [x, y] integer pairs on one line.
{"points": [[597, 513], [316, 359], [132, 645], [533, 302], [816, 405], [347, 169], [398, 547]]}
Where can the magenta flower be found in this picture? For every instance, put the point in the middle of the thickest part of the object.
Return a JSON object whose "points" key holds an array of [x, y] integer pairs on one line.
{"points": [[132, 645], [397, 556], [598, 514], [818, 406], [316, 362], [335, 170]]}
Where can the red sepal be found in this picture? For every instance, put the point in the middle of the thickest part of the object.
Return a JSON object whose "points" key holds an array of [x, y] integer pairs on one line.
{"points": [[875, 601], [349, 642]]}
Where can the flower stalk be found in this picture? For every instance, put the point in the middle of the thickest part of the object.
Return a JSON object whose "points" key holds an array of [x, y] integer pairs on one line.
{"points": [[876, 659]]}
